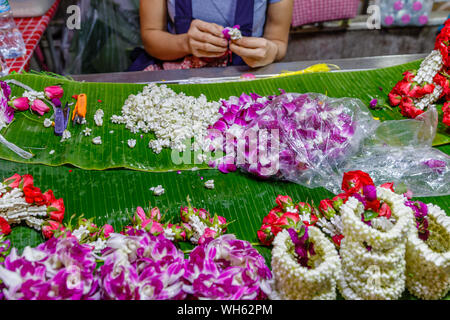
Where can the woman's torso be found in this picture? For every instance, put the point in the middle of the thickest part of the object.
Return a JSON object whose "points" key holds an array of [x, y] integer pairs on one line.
{"points": [[222, 12]]}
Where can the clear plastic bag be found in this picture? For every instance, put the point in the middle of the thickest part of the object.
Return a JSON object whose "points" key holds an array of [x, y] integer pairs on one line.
{"points": [[109, 32], [306, 137], [311, 139], [401, 152]]}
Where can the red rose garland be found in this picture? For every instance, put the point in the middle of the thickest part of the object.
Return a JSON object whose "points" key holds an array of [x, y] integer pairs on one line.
{"points": [[419, 89], [24, 202]]}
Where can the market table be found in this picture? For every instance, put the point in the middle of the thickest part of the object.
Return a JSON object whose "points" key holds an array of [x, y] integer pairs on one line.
{"points": [[95, 180], [234, 72], [32, 30]]}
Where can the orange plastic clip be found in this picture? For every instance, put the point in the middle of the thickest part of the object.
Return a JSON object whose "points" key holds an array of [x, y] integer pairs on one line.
{"points": [[79, 112]]}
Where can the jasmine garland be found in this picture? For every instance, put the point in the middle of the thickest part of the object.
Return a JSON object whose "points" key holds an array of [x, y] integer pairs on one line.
{"points": [[365, 249], [314, 281], [428, 258]]}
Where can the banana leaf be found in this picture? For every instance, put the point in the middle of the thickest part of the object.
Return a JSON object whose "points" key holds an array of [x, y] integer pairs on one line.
{"points": [[28, 132]]}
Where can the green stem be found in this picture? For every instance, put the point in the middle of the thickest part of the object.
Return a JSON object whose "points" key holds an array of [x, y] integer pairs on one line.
{"points": [[31, 119]]}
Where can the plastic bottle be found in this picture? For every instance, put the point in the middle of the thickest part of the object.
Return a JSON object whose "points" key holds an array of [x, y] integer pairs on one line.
{"points": [[11, 41]]}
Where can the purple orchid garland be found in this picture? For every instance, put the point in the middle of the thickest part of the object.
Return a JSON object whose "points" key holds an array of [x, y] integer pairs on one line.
{"points": [[309, 132], [227, 268], [58, 269]]}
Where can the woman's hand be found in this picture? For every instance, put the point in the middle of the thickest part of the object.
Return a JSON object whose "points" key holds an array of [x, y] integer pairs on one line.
{"points": [[256, 52], [205, 40]]}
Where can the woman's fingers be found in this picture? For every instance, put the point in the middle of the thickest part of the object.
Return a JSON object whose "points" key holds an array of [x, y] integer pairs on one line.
{"points": [[252, 53], [208, 38], [251, 42], [205, 54], [206, 47], [211, 28]]}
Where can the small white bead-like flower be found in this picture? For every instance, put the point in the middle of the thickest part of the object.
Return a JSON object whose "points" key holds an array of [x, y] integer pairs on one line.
{"points": [[97, 140]]}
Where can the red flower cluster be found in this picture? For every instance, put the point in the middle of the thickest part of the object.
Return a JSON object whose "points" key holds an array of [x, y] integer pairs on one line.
{"points": [[443, 41], [284, 216], [33, 195], [405, 91], [446, 110], [5, 228]]}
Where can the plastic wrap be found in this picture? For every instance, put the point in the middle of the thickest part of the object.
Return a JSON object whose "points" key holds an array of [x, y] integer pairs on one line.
{"points": [[401, 151], [311, 139], [109, 32], [304, 138]]}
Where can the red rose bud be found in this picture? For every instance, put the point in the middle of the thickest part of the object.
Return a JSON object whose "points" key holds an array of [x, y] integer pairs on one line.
{"points": [[56, 210], [155, 214], [408, 76], [20, 104], [403, 88], [287, 220], [33, 195], [446, 110], [5, 228], [27, 180], [270, 218], [373, 205], [337, 239], [389, 185], [312, 222], [265, 235], [14, 181], [408, 109], [54, 92], [284, 201], [354, 181], [394, 99], [337, 202], [304, 208], [107, 230], [39, 107], [209, 233], [49, 197], [49, 227], [326, 208], [385, 211], [203, 213]]}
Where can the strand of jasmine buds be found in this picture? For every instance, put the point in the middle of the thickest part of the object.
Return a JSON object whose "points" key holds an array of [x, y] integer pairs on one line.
{"points": [[293, 281], [428, 277]]}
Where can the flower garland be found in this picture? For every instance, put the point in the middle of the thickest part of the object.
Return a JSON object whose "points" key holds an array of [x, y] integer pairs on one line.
{"points": [[227, 268], [58, 269], [196, 225], [21, 201], [428, 254], [144, 267], [364, 249], [420, 89], [296, 280]]}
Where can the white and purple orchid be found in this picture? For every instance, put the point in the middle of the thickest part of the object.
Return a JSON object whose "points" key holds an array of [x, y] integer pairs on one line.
{"points": [[283, 136], [227, 268], [58, 269], [144, 267]]}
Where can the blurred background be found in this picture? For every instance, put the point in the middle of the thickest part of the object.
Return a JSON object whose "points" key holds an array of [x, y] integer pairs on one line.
{"points": [[321, 29]]}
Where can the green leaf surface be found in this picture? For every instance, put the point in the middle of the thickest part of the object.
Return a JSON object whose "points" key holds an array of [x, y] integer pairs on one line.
{"points": [[28, 132], [112, 195]]}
